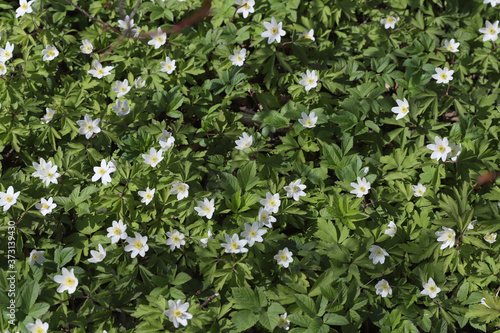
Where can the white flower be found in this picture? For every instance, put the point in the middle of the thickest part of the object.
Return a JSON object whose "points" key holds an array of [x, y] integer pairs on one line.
{"points": [[456, 149], [361, 187], [137, 245], [168, 65], [97, 256], [440, 148], [117, 231], [383, 288], [309, 80], [274, 31], [45, 206], [177, 313], [284, 322], [246, 7], [147, 195], [234, 244], [38, 326], [3, 68], [447, 236], [181, 189], [451, 45], [121, 88], [490, 32], [490, 238], [377, 254], [88, 126], [271, 202], [244, 142], [166, 140], [418, 190], [49, 53], [493, 3], [49, 114], [127, 23], [36, 256], [389, 22], [103, 172], [153, 158], [175, 239], [86, 46], [25, 7], [443, 75], [8, 198], [284, 257], [50, 175], [430, 288], [253, 234], [139, 83], [40, 168], [121, 108], [205, 208], [308, 34], [308, 121], [471, 225], [239, 57], [6, 54], [67, 280], [158, 38], [402, 109], [99, 71], [391, 229], [483, 300], [295, 190], [265, 218], [204, 241]]}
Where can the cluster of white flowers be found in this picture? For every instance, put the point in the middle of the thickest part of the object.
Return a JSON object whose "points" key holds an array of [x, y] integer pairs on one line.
{"points": [[441, 149], [46, 172]]}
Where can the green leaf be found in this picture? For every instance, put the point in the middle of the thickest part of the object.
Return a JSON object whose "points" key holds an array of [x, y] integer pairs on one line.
{"points": [[246, 176], [244, 320], [181, 278], [38, 310], [245, 298], [335, 319], [306, 304], [62, 257], [30, 294]]}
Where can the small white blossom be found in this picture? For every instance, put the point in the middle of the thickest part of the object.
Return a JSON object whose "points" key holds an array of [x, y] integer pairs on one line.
{"points": [[36, 256], [253, 234], [483, 300], [308, 34], [97, 256], [284, 323], [181, 189], [383, 288], [418, 190], [121, 108], [244, 142], [391, 229], [451, 45], [361, 188], [103, 172], [88, 127], [117, 231], [377, 254], [86, 46], [284, 257], [309, 80], [490, 237], [308, 121], [204, 241], [166, 140], [45, 206], [443, 75], [6, 54], [98, 71], [139, 83], [147, 195], [271, 202], [490, 32], [389, 22], [67, 280], [175, 239], [246, 7], [153, 158], [274, 31], [239, 57], [25, 8], [49, 114], [50, 175], [440, 148], [137, 245], [126, 23], [121, 88], [167, 66], [158, 38], [49, 53], [456, 149], [265, 218], [177, 313], [38, 326], [430, 288], [234, 244], [206, 208], [402, 109], [447, 236], [295, 190], [3, 68]]}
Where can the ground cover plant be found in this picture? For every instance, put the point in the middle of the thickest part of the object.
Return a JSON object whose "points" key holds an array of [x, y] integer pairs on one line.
{"points": [[249, 166]]}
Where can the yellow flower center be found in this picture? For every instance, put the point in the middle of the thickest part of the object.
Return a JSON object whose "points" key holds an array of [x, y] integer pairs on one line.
{"points": [[272, 203], [49, 174], [206, 208], [310, 80], [491, 31], [307, 36], [8, 198], [35, 256], [69, 282], [309, 123], [432, 289], [389, 20], [90, 127], [102, 171], [384, 287], [50, 53], [177, 313], [441, 148], [180, 188], [450, 47], [362, 188], [379, 252], [154, 159], [404, 109], [45, 206], [138, 245], [283, 257], [282, 321], [117, 231], [253, 233], [420, 192], [176, 239], [148, 196], [39, 330], [24, 6], [100, 71], [234, 245], [274, 31], [443, 76], [449, 236], [264, 216], [123, 88]]}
